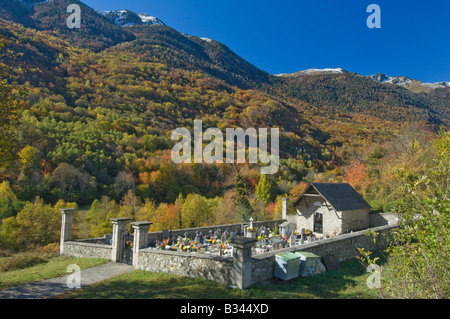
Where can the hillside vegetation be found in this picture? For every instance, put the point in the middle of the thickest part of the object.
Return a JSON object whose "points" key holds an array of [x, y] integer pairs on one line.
{"points": [[101, 103]]}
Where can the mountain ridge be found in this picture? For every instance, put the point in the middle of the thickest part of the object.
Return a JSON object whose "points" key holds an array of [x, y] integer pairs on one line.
{"points": [[404, 81], [330, 89], [105, 99]]}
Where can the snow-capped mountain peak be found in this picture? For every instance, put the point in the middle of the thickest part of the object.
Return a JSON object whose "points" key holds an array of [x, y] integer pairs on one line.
{"points": [[407, 82], [147, 19], [129, 18], [314, 71]]}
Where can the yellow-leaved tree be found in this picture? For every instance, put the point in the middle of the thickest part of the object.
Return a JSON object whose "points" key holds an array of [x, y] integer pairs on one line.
{"points": [[37, 224]]}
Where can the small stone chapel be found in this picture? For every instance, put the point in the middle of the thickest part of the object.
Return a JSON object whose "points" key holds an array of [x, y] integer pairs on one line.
{"points": [[328, 209]]}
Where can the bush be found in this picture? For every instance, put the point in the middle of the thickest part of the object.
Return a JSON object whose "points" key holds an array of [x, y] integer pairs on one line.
{"points": [[27, 259], [20, 261]]}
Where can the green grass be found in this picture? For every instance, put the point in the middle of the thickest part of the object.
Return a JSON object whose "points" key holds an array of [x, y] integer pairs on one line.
{"points": [[349, 281], [51, 267]]}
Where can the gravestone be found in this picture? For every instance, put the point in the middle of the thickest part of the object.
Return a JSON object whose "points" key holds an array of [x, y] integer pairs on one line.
{"points": [[258, 232], [261, 231], [165, 234], [197, 237], [330, 262], [292, 239], [286, 228], [277, 245]]}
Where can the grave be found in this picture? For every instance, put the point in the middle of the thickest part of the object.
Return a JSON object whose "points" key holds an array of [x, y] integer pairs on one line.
{"points": [[286, 228]]}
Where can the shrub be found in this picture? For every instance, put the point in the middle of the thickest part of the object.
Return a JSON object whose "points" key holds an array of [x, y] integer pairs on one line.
{"points": [[29, 258]]}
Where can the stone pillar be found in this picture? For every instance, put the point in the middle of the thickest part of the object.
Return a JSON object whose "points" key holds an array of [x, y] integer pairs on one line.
{"points": [[119, 229], [285, 202], [66, 227], [140, 239], [242, 261]]}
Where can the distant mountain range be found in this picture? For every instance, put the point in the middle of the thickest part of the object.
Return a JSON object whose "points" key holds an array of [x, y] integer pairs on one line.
{"points": [[411, 84], [332, 90]]}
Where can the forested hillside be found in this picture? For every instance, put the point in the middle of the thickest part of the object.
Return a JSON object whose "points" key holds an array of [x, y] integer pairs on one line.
{"points": [[101, 103]]}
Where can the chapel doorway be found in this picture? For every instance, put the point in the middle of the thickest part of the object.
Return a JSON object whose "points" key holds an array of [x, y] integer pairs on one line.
{"points": [[318, 223]]}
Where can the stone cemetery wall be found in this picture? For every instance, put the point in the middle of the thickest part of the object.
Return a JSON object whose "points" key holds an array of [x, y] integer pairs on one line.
{"points": [[262, 268], [237, 228], [212, 261], [381, 219], [215, 268], [344, 247], [87, 249]]}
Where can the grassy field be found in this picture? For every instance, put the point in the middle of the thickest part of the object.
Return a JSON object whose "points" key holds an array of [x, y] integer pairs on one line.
{"points": [[25, 268], [348, 282]]}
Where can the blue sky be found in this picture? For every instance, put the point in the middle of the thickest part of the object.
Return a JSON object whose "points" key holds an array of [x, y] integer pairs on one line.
{"points": [[281, 36]]}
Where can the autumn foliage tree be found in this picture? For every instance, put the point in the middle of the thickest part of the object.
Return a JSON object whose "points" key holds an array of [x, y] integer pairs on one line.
{"points": [[356, 175], [10, 105]]}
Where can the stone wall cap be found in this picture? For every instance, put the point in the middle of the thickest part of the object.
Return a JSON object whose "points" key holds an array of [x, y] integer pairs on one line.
{"points": [[67, 210], [119, 219], [185, 254], [141, 223]]}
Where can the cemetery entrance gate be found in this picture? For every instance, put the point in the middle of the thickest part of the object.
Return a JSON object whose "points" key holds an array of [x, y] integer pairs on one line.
{"points": [[127, 250]]}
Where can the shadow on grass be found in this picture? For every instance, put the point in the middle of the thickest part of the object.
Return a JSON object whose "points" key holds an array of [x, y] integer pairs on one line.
{"points": [[349, 282]]}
